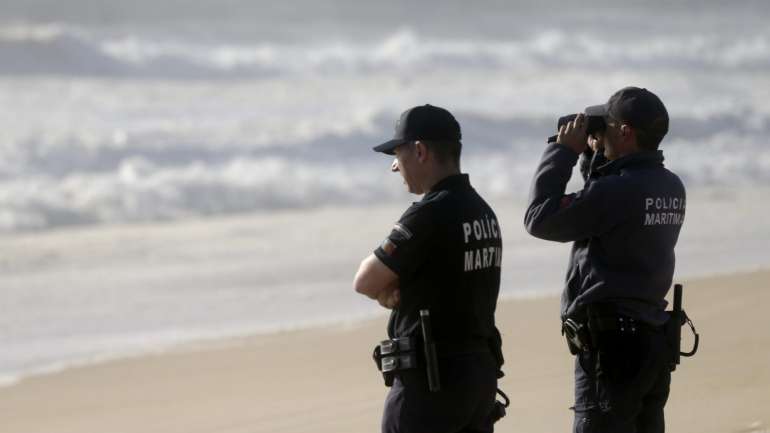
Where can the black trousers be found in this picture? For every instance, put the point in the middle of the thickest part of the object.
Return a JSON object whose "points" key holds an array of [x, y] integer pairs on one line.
{"points": [[464, 403], [623, 386]]}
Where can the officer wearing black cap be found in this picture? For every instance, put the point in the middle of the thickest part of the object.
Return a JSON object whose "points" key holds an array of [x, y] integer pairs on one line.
{"points": [[624, 223], [443, 256]]}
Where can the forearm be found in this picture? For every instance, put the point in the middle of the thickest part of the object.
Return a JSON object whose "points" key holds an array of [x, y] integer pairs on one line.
{"points": [[374, 278], [548, 186], [389, 297]]}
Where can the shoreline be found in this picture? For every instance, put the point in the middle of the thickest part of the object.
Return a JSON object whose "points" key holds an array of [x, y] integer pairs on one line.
{"points": [[323, 379], [165, 285], [246, 336]]}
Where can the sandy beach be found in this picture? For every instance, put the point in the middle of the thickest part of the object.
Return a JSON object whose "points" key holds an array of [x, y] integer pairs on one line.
{"points": [[322, 380]]}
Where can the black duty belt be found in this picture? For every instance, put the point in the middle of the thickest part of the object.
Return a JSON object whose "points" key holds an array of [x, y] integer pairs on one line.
{"points": [[405, 353], [604, 318], [462, 347], [399, 348], [622, 324], [392, 356], [582, 337]]}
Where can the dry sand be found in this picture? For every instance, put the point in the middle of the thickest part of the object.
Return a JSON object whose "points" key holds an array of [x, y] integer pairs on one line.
{"points": [[323, 380]]}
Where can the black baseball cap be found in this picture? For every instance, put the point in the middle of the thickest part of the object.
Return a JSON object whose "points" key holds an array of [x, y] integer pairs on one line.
{"points": [[637, 107], [424, 122]]}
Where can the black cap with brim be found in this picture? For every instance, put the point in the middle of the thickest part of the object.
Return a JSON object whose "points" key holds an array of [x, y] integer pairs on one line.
{"points": [[424, 122], [636, 106], [597, 110], [389, 147]]}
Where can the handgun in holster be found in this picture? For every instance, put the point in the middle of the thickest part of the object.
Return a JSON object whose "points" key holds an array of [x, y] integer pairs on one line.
{"points": [[578, 336], [673, 329], [496, 347]]}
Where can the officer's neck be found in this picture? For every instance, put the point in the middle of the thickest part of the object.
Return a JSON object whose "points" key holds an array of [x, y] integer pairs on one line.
{"points": [[622, 149], [439, 173]]}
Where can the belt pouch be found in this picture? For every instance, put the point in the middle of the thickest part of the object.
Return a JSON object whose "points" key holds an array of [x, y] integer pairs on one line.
{"points": [[395, 355]]}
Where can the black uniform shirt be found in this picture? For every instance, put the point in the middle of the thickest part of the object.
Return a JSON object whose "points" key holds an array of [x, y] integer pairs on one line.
{"points": [[446, 250], [625, 224]]}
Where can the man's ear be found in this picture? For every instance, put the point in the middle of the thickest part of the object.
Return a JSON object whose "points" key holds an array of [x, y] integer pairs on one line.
{"points": [[421, 151], [626, 130], [629, 135]]}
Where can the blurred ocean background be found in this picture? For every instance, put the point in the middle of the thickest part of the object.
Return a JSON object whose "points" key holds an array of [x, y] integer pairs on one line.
{"points": [[182, 170]]}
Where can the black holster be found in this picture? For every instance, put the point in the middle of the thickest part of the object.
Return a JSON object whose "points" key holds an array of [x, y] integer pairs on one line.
{"points": [[578, 336], [673, 329], [496, 347]]}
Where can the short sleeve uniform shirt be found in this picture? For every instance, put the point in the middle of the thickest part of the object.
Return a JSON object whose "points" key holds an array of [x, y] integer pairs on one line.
{"points": [[446, 250]]}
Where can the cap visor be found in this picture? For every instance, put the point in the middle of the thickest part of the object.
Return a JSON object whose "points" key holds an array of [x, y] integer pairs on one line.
{"points": [[389, 147], [597, 110]]}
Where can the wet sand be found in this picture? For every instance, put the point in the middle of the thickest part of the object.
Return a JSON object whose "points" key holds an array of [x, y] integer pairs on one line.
{"points": [[323, 380]]}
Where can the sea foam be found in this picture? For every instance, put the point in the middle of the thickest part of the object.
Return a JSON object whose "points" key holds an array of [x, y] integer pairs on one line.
{"points": [[62, 50]]}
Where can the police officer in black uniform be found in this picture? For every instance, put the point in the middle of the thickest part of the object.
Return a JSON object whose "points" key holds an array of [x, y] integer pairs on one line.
{"points": [[443, 255], [624, 223]]}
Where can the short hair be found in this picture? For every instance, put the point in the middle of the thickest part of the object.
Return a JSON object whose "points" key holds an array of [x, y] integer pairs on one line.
{"points": [[649, 135], [646, 140], [446, 151]]}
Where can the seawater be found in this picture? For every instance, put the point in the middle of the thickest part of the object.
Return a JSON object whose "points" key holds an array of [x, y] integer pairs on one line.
{"points": [[175, 173], [152, 112]]}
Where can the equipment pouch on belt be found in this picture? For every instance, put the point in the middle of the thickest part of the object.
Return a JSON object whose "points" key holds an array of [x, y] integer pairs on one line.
{"points": [[673, 329], [394, 355], [403, 353]]}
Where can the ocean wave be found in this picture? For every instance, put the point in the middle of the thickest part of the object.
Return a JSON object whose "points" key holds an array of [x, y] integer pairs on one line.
{"points": [[141, 189], [54, 50], [60, 50], [349, 140], [138, 190]]}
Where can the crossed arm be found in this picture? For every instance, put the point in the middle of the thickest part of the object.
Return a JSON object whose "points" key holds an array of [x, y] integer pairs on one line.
{"points": [[378, 282]]}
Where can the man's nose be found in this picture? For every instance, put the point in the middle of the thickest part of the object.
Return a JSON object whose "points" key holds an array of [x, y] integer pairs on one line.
{"points": [[394, 166]]}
